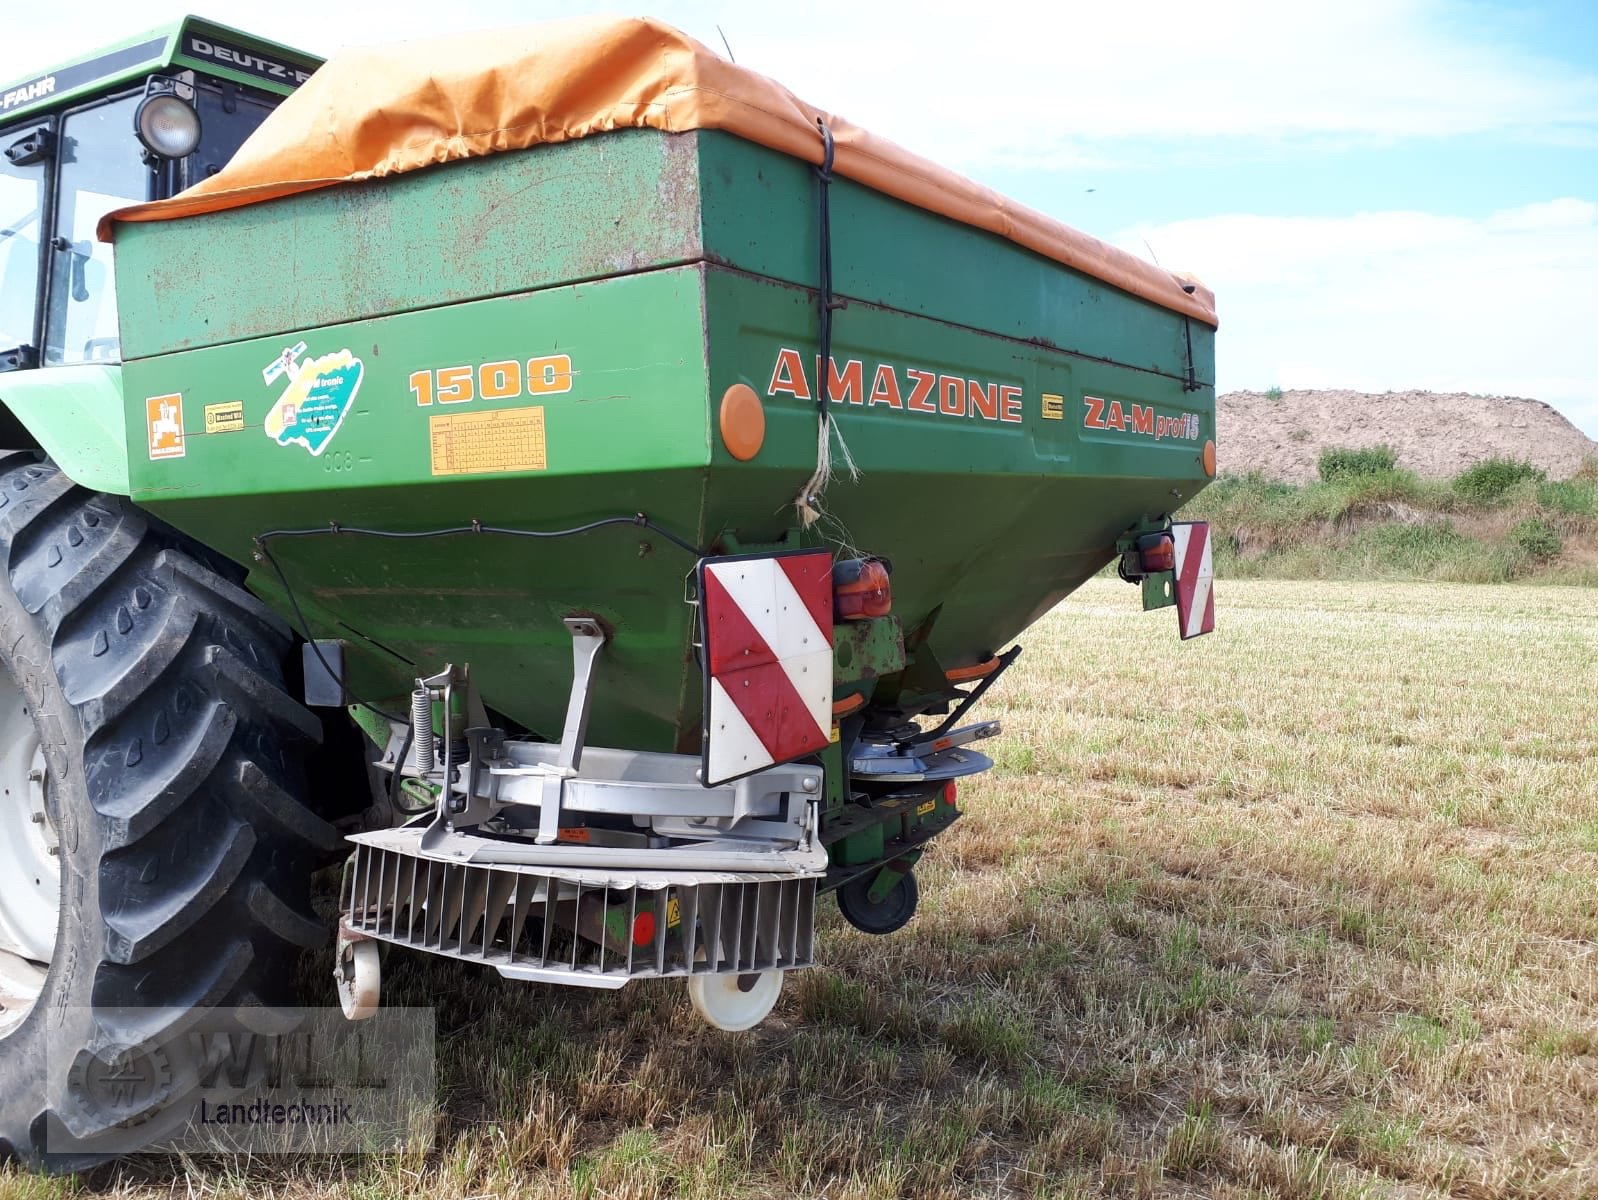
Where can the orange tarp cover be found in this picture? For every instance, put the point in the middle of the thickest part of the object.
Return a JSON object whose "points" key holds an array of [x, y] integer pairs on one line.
{"points": [[377, 112]]}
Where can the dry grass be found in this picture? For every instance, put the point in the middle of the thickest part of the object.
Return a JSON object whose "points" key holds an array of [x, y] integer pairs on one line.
{"points": [[1303, 909]]}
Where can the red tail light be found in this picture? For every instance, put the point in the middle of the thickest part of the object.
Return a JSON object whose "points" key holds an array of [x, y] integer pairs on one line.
{"points": [[860, 589], [1156, 552]]}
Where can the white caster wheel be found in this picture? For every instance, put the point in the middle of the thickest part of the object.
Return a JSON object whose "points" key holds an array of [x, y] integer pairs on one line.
{"points": [[735, 1002], [358, 972]]}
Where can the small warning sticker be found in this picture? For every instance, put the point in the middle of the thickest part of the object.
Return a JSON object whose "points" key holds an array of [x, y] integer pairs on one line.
{"points": [[163, 418], [224, 418], [482, 443]]}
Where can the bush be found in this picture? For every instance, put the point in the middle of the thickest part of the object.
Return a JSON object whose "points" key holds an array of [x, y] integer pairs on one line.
{"points": [[1341, 462], [1573, 497], [1536, 538], [1491, 479], [1432, 550], [1374, 487]]}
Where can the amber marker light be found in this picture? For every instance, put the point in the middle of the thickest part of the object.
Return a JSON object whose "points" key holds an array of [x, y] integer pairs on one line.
{"points": [[743, 422], [860, 589], [1209, 459], [1156, 552]]}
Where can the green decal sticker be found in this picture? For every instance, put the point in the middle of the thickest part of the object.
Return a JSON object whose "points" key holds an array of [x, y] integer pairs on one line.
{"points": [[319, 395]]}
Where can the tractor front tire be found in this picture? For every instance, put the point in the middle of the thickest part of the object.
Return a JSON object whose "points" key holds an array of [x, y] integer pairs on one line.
{"points": [[168, 762]]}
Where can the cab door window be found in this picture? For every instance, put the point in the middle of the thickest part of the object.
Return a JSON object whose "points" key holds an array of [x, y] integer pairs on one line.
{"points": [[22, 191], [100, 169]]}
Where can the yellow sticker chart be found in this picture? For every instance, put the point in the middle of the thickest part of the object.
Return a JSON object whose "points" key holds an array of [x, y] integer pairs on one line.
{"points": [[224, 418], [482, 443]]}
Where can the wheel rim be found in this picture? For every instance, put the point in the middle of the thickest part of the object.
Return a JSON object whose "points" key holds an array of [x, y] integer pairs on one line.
{"points": [[358, 977], [735, 1002], [891, 913], [30, 863]]}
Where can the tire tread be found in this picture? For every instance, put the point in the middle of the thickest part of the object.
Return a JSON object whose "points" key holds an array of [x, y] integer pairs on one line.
{"points": [[192, 754]]}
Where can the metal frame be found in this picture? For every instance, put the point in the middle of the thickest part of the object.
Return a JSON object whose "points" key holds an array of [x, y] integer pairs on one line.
{"points": [[51, 123], [764, 822], [577, 926], [53, 260]]}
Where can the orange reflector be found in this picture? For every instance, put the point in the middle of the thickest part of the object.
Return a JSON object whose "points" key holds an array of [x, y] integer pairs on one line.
{"points": [[743, 422], [1209, 459], [643, 928], [1156, 552], [842, 708], [860, 589], [979, 670]]}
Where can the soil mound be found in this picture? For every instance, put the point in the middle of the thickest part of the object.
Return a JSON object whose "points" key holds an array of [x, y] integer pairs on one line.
{"points": [[1436, 435]]}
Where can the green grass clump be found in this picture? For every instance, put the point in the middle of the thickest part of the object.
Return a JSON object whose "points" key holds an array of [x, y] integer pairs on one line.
{"points": [[1340, 462], [1576, 497], [1492, 479], [1426, 541], [1536, 538], [1497, 522], [1386, 487], [1270, 507]]}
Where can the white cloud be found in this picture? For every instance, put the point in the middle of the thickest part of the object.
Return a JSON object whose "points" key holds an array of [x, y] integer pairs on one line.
{"points": [[1564, 213], [1067, 76], [1505, 305]]}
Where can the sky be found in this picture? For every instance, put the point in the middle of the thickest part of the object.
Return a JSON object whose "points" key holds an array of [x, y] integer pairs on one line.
{"points": [[1384, 194]]}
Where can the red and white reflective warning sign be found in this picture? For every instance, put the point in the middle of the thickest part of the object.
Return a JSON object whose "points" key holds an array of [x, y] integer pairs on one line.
{"points": [[768, 660], [1195, 578]]}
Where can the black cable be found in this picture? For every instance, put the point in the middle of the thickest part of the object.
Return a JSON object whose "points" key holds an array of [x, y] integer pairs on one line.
{"points": [[638, 520], [305, 632], [397, 779]]}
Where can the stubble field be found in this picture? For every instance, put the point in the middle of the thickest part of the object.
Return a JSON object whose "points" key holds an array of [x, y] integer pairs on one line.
{"points": [[1306, 908]]}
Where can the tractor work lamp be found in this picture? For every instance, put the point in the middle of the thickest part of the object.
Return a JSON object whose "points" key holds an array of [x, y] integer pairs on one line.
{"points": [[167, 125], [860, 589]]}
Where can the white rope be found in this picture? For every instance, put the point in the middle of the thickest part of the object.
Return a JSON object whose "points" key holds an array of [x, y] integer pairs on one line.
{"points": [[808, 502]]}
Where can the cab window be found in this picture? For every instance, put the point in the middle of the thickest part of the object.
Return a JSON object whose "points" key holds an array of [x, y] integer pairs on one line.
{"points": [[22, 191], [99, 168]]}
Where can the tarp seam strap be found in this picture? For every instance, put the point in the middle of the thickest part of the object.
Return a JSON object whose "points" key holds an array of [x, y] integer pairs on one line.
{"points": [[808, 501]]}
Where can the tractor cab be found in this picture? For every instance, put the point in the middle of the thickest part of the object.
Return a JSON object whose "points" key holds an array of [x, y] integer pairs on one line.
{"points": [[141, 120]]}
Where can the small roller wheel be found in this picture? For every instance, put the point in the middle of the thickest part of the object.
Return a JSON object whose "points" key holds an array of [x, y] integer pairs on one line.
{"points": [[892, 912], [735, 1002], [358, 974]]}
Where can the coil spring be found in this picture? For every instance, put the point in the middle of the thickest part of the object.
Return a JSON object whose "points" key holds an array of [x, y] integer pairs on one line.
{"points": [[422, 728]]}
